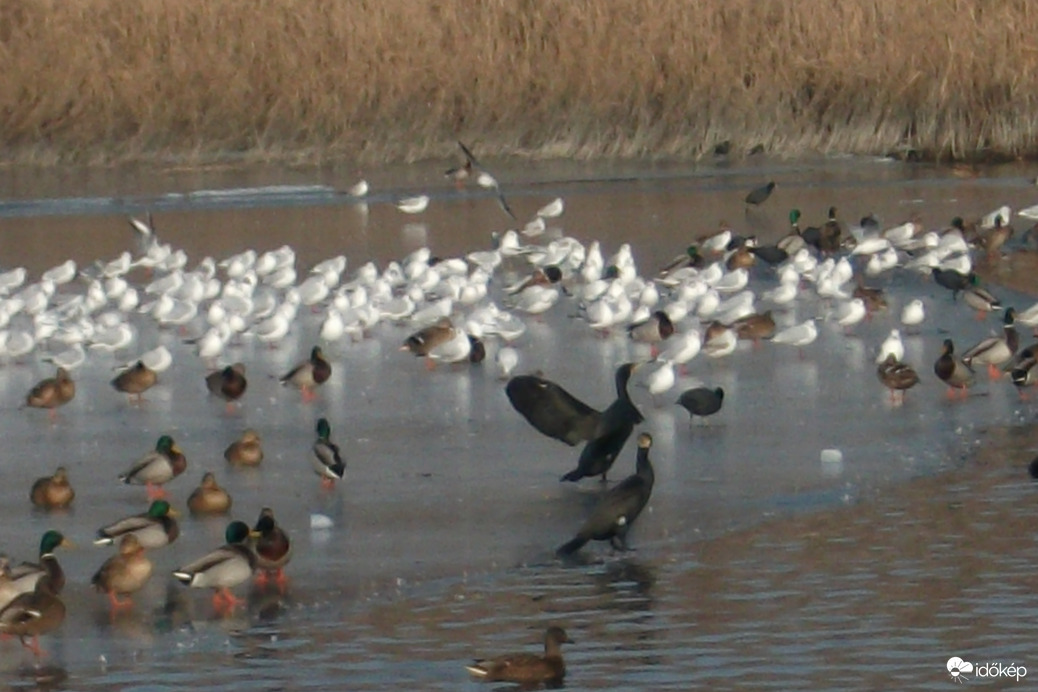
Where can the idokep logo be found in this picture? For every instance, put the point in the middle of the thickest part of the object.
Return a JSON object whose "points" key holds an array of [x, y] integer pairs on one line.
{"points": [[959, 670]]}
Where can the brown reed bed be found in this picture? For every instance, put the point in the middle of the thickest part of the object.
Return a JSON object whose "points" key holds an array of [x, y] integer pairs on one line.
{"points": [[313, 80]]}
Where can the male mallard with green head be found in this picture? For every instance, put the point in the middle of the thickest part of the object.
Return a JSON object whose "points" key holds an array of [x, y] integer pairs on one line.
{"points": [[326, 460], [157, 467], [222, 569], [155, 528]]}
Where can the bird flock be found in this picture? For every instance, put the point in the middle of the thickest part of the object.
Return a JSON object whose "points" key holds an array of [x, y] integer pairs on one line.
{"points": [[723, 289]]}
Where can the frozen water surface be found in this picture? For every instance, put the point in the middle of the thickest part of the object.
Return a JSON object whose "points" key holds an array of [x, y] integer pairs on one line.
{"points": [[758, 564]]}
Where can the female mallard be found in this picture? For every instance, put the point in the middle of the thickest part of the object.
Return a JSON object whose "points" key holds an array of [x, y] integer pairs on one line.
{"points": [[135, 380], [124, 573], [952, 371], [53, 492], [524, 668], [155, 528], [157, 467], [226, 567], [33, 613], [272, 547], [422, 342], [327, 462], [52, 392], [995, 351], [27, 574], [247, 450], [896, 376], [652, 330], [755, 327], [228, 384], [209, 497], [309, 374]]}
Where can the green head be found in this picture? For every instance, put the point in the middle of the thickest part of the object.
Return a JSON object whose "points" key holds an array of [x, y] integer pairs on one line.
{"points": [[1009, 317], [164, 445], [794, 217], [611, 272], [52, 540], [692, 251], [237, 532], [958, 223], [158, 509], [324, 430]]}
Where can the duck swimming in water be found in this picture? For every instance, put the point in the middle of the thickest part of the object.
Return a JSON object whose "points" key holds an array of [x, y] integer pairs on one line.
{"points": [[526, 669]]}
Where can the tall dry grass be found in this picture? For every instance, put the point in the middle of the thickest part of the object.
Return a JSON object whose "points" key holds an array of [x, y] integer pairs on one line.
{"points": [[390, 79]]}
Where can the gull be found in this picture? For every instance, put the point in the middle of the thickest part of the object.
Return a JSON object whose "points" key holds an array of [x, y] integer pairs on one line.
{"points": [[661, 379], [358, 189], [333, 326], [19, 343], [990, 220], [506, 359], [454, 350], [12, 279], [719, 340], [892, 345], [331, 269], [273, 260], [211, 344], [914, 313], [552, 210], [145, 232], [851, 312], [112, 338], [683, 347], [157, 359], [70, 359], [798, 335], [413, 205], [236, 266], [274, 328], [117, 267]]}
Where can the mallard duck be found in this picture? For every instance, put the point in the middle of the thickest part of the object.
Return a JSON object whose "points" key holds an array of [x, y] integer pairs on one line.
{"points": [[53, 492], [247, 450], [981, 299], [798, 335], [996, 237], [873, 298], [27, 574], [952, 371], [272, 547], [124, 573], [995, 351], [33, 613], [690, 258], [656, 328], [616, 512], [1024, 373], [155, 528], [759, 195], [701, 401], [209, 497], [52, 392], [770, 254], [545, 276], [222, 569], [793, 241], [424, 340], [229, 384], [755, 327], [742, 257], [719, 340], [896, 376], [309, 374], [327, 462], [526, 669], [135, 380], [157, 467]]}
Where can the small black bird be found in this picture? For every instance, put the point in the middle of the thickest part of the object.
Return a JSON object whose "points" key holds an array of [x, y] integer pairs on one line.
{"points": [[619, 507], [953, 280], [760, 195], [701, 401]]}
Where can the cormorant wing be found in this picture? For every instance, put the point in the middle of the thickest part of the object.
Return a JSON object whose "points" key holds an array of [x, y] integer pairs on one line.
{"points": [[552, 410]]}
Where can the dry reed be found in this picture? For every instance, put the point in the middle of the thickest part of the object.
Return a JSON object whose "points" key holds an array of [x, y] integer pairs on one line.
{"points": [[102, 80]]}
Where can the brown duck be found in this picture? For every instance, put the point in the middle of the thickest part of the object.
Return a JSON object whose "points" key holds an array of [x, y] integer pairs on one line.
{"points": [[247, 450], [952, 371], [32, 614], [272, 548], [524, 668], [135, 380], [309, 374], [896, 376], [228, 384], [124, 573], [52, 392], [209, 498], [53, 492]]}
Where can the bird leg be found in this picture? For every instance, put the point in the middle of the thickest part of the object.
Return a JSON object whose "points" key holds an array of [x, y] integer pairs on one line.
{"points": [[308, 395], [993, 372], [34, 647], [327, 483], [113, 598], [53, 415], [281, 580], [261, 579], [155, 492], [228, 599], [229, 408]]}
